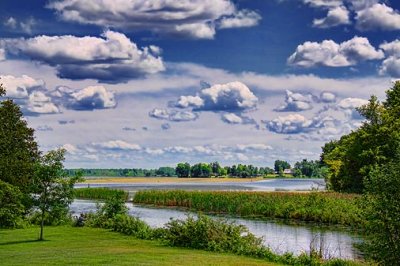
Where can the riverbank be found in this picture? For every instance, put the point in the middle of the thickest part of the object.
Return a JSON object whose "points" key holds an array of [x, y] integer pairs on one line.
{"points": [[65, 245], [319, 207]]}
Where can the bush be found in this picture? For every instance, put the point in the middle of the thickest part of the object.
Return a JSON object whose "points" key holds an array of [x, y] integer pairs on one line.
{"points": [[209, 234], [11, 207]]}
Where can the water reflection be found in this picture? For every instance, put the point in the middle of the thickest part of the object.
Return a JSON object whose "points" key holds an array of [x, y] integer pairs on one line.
{"points": [[281, 238]]}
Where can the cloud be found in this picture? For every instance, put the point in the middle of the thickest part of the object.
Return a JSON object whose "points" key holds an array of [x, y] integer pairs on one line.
{"points": [[231, 118], [189, 101], [39, 103], [295, 102], [20, 87], [71, 149], [188, 18], [173, 115], [327, 97], [25, 26], [290, 124], [335, 17], [329, 53], [89, 98], [391, 65], [243, 18], [324, 3], [378, 17], [111, 58], [253, 147], [232, 96], [11, 22], [349, 105], [118, 145]]}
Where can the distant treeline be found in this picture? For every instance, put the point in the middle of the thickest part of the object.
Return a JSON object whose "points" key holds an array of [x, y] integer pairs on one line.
{"points": [[303, 168], [125, 172]]}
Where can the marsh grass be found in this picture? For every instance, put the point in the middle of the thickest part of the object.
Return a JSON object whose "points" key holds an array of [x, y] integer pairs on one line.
{"points": [[319, 207]]}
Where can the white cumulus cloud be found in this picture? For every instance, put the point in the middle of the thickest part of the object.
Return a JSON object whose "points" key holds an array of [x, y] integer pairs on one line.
{"points": [[113, 57], [378, 17], [335, 17], [331, 54], [190, 18]]}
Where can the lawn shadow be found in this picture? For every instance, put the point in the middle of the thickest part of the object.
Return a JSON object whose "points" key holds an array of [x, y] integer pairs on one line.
{"points": [[22, 242]]}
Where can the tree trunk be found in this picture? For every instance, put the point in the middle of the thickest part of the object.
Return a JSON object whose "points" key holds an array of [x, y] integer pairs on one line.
{"points": [[41, 226]]}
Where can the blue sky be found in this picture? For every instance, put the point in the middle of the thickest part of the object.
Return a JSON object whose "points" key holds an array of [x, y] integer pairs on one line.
{"points": [[134, 83]]}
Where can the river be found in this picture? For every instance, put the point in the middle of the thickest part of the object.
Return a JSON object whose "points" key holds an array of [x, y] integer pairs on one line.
{"points": [[281, 238]]}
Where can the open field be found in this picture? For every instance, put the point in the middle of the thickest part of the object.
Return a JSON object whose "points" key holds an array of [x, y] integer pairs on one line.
{"points": [[97, 180], [66, 245]]}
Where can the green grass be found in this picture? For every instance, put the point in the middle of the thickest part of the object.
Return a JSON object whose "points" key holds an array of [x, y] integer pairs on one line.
{"points": [[320, 207], [66, 245]]}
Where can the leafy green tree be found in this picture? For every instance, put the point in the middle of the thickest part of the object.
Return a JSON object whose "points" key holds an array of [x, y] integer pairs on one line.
{"points": [[354, 156], [381, 205], [52, 187], [280, 165], [11, 207], [183, 170], [201, 170], [311, 169], [18, 148], [165, 171]]}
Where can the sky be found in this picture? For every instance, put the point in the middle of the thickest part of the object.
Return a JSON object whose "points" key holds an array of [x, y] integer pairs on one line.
{"points": [[138, 83]]}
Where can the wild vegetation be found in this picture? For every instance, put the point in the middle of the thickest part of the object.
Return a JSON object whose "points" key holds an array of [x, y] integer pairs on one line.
{"points": [[100, 193], [332, 208], [198, 233]]}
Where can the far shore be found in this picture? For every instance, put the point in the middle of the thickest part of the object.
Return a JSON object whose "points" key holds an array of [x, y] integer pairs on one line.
{"points": [[97, 180]]}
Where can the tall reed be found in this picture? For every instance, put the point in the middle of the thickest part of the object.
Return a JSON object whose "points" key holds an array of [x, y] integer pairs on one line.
{"points": [[100, 193], [321, 207]]}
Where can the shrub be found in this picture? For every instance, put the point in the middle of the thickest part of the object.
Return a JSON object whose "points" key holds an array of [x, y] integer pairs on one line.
{"points": [[209, 234]]}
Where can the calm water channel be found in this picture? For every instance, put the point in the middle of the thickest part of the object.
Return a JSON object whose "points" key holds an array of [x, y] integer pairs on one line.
{"points": [[279, 237]]}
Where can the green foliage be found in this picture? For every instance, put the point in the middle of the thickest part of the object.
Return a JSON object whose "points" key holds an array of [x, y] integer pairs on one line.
{"points": [[381, 205], [355, 155], [201, 170], [281, 165], [183, 170], [11, 207], [311, 169], [53, 190], [332, 208], [210, 234], [100, 193], [165, 171], [18, 148]]}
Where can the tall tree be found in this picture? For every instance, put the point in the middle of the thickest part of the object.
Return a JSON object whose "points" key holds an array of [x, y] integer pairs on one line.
{"points": [[183, 170], [18, 148], [52, 187], [375, 143], [280, 165]]}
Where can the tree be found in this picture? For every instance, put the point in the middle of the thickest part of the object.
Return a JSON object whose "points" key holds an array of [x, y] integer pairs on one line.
{"points": [[183, 170], [52, 187], [279, 166], [201, 170], [312, 169], [381, 205], [354, 156], [11, 207], [18, 148]]}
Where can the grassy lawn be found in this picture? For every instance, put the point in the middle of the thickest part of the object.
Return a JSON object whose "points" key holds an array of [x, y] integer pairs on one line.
{"points": [[66, 245]]}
